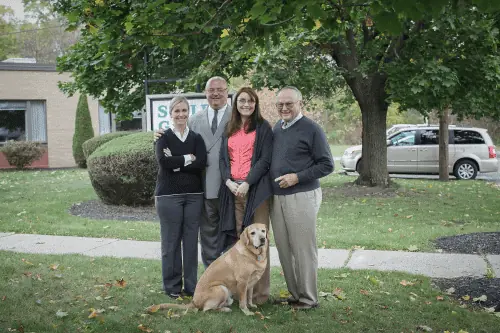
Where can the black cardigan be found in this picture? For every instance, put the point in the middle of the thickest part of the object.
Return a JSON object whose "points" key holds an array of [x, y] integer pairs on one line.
{"points": [[258, 179], [189, 178]]}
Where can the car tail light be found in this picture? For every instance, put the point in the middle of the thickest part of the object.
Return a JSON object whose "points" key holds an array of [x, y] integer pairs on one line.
{"points": [[491, 150]]}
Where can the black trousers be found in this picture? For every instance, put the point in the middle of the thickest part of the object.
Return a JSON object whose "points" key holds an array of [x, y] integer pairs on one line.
{"points": [[180, 216]]}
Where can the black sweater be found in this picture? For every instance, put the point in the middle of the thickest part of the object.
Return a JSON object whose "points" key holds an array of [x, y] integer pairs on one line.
{"points": [[189, 178], [302, 149]]}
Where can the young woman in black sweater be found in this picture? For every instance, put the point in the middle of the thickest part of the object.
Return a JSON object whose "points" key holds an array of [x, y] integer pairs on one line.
{"points": [[182, 157]]}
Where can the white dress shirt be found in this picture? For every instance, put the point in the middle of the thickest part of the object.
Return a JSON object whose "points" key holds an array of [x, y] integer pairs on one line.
{"points": [[285, 125], [220, 114], [187, 158]]}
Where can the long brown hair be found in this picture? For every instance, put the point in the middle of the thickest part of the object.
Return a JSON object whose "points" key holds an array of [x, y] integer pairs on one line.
{"points": [[234, 124]]}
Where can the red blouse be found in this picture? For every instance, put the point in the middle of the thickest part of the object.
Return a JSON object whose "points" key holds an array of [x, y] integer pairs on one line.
{"points": [[240, 148]]}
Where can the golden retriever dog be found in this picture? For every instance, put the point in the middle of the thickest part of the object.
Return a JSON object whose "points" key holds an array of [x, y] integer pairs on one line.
{"points": [[234, 273]]}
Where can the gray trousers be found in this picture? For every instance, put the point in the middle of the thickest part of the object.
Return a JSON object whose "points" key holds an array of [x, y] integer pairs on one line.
{"points": [[209, 231], [293, 218], [179, 223]]}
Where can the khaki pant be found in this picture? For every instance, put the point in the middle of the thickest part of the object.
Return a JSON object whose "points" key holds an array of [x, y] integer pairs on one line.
{"points": [[294, 225], [262, 287]]}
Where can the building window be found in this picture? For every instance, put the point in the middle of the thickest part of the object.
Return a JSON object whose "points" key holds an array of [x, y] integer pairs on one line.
{"points": [[23, 121], [12, 125], [134, 124]]}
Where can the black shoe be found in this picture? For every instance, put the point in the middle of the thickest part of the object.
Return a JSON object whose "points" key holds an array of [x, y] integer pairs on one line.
{"points": [[304, 306], [187, 293], [173, 295], [288, 300]]}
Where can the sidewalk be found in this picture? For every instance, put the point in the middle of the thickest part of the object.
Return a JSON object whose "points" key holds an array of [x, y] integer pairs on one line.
{"points": [[436, 265]]}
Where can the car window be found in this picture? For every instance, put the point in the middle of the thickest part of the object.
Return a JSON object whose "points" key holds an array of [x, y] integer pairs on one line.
{"points": [[406, 138], [429, 137], [463, 137]]}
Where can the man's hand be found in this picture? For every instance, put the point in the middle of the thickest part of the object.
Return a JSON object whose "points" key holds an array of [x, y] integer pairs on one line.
{"points": [[242, 189], [193, 158], [287, 180], [158, 134], [233, 187]]}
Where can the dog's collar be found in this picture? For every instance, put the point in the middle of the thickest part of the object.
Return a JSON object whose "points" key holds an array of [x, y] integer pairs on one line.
{"points": [[259, 256]]}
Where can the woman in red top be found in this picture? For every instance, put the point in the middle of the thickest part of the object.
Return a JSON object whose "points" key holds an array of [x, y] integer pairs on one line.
{"points": [[245, 157]]}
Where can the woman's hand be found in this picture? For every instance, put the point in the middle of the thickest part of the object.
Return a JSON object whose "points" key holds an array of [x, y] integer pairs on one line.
{"points": [[242, 189], [233, 187], [167, 152]]}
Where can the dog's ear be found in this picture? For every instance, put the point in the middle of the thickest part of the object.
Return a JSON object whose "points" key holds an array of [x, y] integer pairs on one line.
{"points": [[244, 237]]}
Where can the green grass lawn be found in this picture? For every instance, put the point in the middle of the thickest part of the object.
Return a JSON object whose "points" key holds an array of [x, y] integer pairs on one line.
{"points": [[37, 202], [51, 293]]}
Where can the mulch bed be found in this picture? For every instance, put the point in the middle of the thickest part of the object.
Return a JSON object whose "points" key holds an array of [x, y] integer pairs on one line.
{"points": [[476, 243], [474, 288], [97, 210]]}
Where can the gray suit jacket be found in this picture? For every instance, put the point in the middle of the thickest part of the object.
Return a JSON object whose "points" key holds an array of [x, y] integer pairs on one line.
{"points": [[199, 123]]}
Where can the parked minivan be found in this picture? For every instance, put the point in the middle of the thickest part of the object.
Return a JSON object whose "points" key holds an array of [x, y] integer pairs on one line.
{"points": [[415, 150]]}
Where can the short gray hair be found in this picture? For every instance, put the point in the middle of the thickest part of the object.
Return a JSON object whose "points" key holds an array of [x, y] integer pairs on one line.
{"points": [[215, 78], [298, 94], [177, 100]]}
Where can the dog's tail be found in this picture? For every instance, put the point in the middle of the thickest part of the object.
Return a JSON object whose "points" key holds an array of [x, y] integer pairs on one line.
{"points": [[154, 308]]}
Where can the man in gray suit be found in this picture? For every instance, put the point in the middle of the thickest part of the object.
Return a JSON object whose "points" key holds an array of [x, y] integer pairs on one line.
{"points": [[210, 124]]}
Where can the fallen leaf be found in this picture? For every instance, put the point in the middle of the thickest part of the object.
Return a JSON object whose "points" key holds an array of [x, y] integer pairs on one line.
{"points": [[284, 294], [98, 298], [428, 303], [339, 294], [27, 274], [27, 262], [53, 267], [39, 277], [144, 328], [121, 283], [390, 229], [413, 294], [108, 297], [113, 307], [4, 298], [39, 302], [323, 294], [364, 292], [466, 297], [413, 248], [409, 216], [61, 314], [450, 291], [374, 280], [481, 298], [424, 328], [406, 283], [462, 331], [440, 298]]}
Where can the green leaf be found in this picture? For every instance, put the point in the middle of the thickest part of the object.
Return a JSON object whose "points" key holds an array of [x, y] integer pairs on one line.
{"points": [[388, 22]]}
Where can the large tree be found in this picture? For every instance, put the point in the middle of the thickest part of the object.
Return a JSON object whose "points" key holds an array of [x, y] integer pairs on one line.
{"points": [[309, 43], [7, 33]]}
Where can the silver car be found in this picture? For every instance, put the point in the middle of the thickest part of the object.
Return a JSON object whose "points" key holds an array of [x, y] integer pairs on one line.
{"points": [[415, 150]]}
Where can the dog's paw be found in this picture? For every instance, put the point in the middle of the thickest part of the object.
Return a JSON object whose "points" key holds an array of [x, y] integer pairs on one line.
{"points": [[225, 309], [253, 306], [247, 312]]}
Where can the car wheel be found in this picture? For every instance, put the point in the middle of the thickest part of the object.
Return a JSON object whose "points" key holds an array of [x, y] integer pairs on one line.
{"points": [[358, 167], [465, 169]]}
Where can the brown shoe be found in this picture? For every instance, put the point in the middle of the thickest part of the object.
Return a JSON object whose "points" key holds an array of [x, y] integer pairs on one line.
{"points": [[304, 306]]}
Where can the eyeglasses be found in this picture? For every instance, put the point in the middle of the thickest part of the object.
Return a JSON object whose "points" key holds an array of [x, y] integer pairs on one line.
{"points": [[244, 101], [288, 105], [219, 90]]}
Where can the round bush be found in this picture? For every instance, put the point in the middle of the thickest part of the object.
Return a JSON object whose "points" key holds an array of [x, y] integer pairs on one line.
{"points": [[91, 145], [22, 153], [123, 171]]}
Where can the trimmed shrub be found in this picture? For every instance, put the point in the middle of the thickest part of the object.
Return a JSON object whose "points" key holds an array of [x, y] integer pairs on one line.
{"points": [[123, 171], [83, 130], [91, 145], [22, 153]]}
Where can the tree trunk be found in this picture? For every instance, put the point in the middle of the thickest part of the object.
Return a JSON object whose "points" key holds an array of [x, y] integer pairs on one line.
{"points": [[443, 145], [370, 94]]}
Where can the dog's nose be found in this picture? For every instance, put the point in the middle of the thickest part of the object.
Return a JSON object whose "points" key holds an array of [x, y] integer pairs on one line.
{"points": [[262, 239]]}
